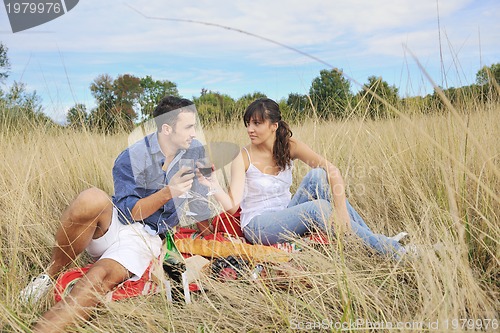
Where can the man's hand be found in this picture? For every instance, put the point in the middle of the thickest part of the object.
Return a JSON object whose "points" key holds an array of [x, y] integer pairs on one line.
{"points": [[181, 182]]}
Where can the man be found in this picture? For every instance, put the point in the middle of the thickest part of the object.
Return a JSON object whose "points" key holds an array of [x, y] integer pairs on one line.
{"points": [[125, 233]]}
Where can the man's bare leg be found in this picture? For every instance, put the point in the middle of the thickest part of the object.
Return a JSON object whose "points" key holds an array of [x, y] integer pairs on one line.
{"points": [[104, 275], [87, 217]]}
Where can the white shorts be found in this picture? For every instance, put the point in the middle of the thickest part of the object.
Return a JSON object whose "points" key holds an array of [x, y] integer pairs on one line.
{"points": [[128, 244]]}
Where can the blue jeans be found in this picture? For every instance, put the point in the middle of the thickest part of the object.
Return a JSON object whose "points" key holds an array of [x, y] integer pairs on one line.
{"points": [[311, 208]]}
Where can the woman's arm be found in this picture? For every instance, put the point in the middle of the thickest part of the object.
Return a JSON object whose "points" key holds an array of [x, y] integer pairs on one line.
{"points": [[230, 202], [304, 153]]}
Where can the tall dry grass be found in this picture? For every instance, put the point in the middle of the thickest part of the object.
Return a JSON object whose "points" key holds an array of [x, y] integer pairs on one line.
{"points": [[434, 176]]}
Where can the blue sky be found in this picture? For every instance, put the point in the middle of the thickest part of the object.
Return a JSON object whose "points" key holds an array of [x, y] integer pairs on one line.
{"points": [[59, 59]]}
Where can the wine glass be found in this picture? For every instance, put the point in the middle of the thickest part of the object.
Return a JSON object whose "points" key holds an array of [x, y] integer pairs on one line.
{"points": [[186, 163], [205, 167]]}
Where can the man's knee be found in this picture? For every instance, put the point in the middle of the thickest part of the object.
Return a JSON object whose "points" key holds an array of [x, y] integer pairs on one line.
{"points": [[90, 203], [94, 196], [106, 274]]}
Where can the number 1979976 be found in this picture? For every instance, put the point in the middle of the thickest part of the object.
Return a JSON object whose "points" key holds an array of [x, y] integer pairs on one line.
{"points": [[33, 7], [470, 324]]}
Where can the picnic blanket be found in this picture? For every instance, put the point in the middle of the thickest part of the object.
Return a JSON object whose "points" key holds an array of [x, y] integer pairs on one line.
{"points": [[226, 242], [144, 286]]}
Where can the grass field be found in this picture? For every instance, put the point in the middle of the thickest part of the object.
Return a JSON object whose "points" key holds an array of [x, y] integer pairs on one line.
{"points": [[435, 176]]}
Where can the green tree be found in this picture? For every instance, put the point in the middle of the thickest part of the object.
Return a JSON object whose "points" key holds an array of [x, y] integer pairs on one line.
{"points": [[115, 102], [297, 102], [331, 94], [288, 113], [104, 117], [4, 62], [104, 120], [127, 89], [214, 107], [488, 80], [102, 90], [298, 106], [378, 87], [153, 91], [246, 99], [20, 107], [20, 100], [77, 116], [486, 74]]}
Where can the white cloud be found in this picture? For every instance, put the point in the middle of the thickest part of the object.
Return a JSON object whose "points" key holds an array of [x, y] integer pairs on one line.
{"points": [[422, 43], [112, 26]]}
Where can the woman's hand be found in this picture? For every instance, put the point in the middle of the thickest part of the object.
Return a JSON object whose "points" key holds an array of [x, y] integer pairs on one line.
{"points": [[208, 181], [344, 219]]}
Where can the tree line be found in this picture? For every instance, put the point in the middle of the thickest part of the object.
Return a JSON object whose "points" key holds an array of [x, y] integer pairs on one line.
{"points": [[121, 102], [126, 100]]}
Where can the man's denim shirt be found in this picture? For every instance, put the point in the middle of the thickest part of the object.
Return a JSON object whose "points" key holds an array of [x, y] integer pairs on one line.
{"points": [[138, 173]]}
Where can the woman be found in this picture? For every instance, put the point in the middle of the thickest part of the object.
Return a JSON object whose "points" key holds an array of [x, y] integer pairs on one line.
{"points": [[261, 177]]}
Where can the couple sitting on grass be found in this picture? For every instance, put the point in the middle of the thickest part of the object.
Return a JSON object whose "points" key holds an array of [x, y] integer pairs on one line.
{"points": [[125, 233]]}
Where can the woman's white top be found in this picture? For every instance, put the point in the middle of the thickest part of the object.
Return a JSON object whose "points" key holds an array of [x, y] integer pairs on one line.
{"points": [[264, 193]]}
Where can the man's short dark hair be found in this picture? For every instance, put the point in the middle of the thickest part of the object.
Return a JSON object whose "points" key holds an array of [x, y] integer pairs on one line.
{"points": [[168, 109]]}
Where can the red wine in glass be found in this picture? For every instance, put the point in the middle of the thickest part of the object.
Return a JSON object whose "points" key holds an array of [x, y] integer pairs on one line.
{"points": [[206, 171]]}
